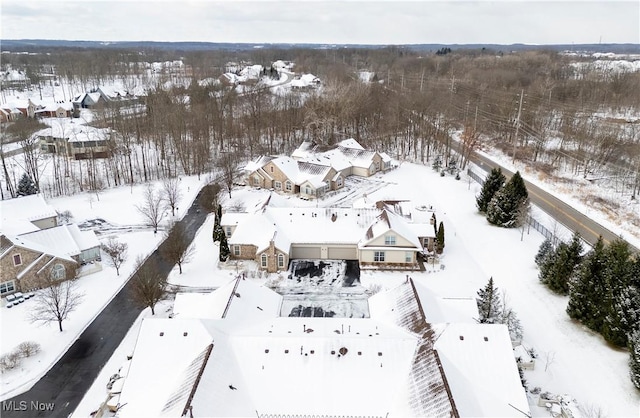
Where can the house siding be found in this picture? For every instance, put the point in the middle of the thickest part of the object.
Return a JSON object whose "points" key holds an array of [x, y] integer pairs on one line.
{"points": [[277, 175], [272, 259], [31, 279], [247, 251], [46, 222], [400, 240]]}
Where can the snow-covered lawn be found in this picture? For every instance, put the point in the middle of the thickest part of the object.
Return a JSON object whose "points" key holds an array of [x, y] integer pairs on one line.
{"points": [[571, 360], [118, 206]]}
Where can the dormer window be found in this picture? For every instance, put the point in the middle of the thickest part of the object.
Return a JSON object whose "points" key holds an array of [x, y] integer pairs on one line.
{"points": [[390, 240]]}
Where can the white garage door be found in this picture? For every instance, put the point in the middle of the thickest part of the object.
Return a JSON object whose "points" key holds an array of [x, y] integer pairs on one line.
{"points": [[305, 252], [343, 253]]}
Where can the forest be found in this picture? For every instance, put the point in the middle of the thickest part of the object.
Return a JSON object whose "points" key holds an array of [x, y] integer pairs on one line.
{"points": [[556, 112]]}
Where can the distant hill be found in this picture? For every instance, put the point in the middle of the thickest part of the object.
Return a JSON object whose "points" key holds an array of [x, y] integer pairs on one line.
{"points": [[19, 45]]}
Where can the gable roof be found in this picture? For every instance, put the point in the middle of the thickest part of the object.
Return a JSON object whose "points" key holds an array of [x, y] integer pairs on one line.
{"points": [[65, 239], [387, 221], [32, 208]]}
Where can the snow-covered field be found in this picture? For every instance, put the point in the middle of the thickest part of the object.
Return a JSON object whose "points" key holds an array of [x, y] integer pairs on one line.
{"points": [[571, 360]]}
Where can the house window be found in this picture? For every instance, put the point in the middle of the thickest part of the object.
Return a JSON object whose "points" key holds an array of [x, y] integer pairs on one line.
{"points": [[271, 169], [57, 272], [17, 260], [339, 181], [390, 240], [378, 256], [227, 231], [7, 287], [278, 185], [408, 257], [256, 181], [236, 250], [307, 190], [288, 186], [263, 261], [377, 165], [280, 260]]}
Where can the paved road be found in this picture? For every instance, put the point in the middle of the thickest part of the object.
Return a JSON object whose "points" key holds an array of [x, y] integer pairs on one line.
{"points": [[589, 229], [69, 379]]}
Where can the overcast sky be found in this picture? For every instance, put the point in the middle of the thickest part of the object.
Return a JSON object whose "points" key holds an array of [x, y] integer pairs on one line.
{"points": [[345, 22]]}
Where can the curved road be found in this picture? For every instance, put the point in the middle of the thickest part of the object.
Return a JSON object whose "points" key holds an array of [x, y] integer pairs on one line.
{"points": [[574, 220], [67, 381]]}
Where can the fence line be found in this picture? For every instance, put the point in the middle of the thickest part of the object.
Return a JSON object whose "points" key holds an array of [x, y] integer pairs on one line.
{"points": [[548, 234]]}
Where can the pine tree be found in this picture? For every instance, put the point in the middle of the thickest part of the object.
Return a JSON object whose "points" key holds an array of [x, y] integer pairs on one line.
{"points": [[543, 252], [587, 290], [218, 215], [494, 181], [560, 266], [634, 358], [224, 248], [489, 306], [440, 239], [505, 207], [618, 277], [26, 186]]}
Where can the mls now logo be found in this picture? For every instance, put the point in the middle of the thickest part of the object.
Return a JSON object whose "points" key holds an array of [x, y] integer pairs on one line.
{"points": [[27, 406]]}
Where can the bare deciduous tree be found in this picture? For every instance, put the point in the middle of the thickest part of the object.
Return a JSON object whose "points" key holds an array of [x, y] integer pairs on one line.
{"points": [[116, 252], [57, 299], [228, 165], [148, 285], [176, 248], [172, 193], [152, 208]]}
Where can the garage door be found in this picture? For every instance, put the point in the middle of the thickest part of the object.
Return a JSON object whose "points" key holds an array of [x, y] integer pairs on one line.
{"points": [[305, 252], [343, 253]]}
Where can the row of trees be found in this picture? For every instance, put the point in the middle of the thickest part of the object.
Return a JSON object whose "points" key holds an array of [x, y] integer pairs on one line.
{"points": [[603, 287]]}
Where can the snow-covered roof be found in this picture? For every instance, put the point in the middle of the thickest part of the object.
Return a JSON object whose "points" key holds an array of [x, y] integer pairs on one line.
{"points": [[267, 365], [350, 143], [233, 218], [25, 208], [446, 309], [65, 239], [235, 301], [303, 225], [386, 221], [39, 248], [500, 396]]}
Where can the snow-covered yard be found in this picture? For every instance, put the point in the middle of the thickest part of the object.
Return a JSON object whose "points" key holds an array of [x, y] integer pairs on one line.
{"points": [[570, 361], [118, 207]]}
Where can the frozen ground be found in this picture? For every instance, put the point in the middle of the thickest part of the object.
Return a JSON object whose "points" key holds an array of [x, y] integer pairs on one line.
{"points": [[572, 360]]}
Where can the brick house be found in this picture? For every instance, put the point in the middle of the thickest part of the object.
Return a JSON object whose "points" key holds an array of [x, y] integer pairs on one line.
{"points": [[26, 266]]}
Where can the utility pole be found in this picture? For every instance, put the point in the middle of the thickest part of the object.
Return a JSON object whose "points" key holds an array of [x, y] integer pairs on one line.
{"points": [[515, 140]]}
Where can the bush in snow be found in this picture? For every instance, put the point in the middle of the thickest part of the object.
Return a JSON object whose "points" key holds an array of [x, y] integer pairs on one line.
{"points": [[9, 361], [28, 349]]}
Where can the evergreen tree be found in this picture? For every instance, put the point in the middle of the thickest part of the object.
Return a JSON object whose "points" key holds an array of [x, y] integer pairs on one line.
{"points": [[543, 252], [26, 186], [218, 233], [560, 266], [489, 306], [494, 181], [619, 273], [224, 248], [587, 290], [218, 215], [505, 207], [634, 358], [440, 239]]}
